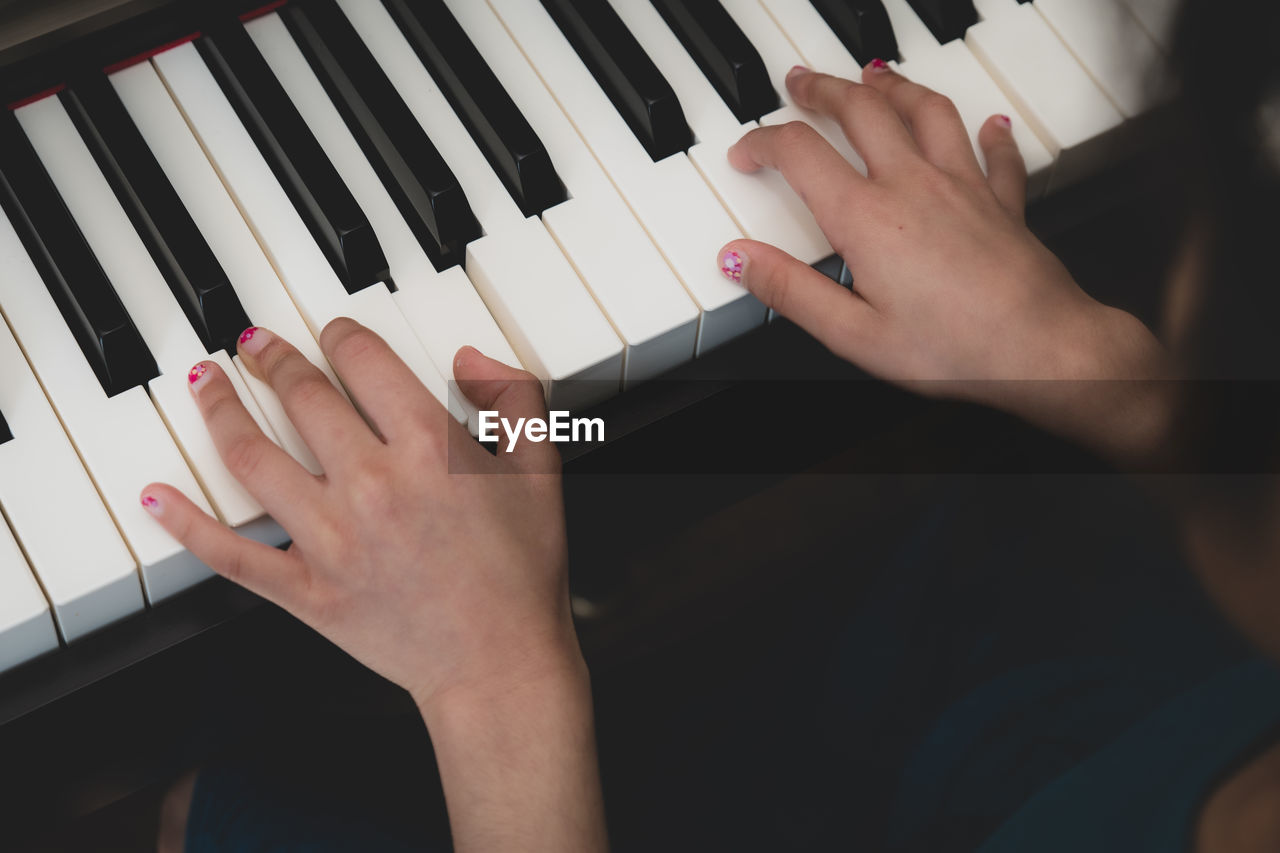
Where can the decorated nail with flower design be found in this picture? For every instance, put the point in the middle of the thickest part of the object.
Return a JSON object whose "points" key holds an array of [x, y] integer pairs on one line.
{"points": [[733, 265], [253, 339], [879, 65], [150, 504], [197, 373]]}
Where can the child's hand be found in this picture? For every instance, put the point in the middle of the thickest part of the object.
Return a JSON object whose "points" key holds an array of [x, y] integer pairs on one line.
{"points": [[953, 295], [429, 560]]}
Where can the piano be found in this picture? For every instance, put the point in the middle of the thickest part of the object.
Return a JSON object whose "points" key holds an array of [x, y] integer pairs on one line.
{"points": [[542, 179]]}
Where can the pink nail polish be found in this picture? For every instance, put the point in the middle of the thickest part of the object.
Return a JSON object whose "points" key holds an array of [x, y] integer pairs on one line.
{"points": [[254, 340], [732, 265], [879, 65], [150, 504], [1005, 120], [197, 373]]}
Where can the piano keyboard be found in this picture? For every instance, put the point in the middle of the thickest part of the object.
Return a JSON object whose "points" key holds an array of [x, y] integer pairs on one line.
{"points": [[542, 179]]}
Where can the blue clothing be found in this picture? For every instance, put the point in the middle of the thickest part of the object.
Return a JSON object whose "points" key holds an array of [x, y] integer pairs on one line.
{"points": [[1000, 687]]}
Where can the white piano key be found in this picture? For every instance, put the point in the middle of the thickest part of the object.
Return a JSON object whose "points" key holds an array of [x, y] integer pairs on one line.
{"points": [[1065, 107], [199, 186], [780, 56], [817, 43], [953, 70], [676, 207], [1159, 18], [316, 290], [26, 625], [147, 298], [442, 307], [572, 288], [432, 299], [121, 439], [763, 205], [1111, 45], [75, 550], [654, 314]]}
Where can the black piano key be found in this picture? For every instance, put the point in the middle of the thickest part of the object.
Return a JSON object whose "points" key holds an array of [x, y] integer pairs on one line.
{"points": [[417, 177], [6, 434], [634, 84], [492, 118], [724, 54], [863, 26], [947, 19], [158, 214], [81, 289], [332, 214]]}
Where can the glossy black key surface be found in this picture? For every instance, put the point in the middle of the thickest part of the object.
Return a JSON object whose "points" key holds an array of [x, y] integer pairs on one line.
{"points": [[947, 19], [417, 177], [724, 54], [332, 214], [6, 434], [629, 77], [863, 26], [75, 279], [157, 212], [491, 117]]}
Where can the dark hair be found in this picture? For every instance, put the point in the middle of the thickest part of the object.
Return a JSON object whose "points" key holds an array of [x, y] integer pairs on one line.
{"points": [[1227, 64]]}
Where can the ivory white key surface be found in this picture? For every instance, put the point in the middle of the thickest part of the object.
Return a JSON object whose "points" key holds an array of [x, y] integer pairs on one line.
{"points": [[88, 574], [122, 440], [763, 205], [564, 309], [26, 626], [1044, 81], [233, 243], [1111, 45], [658, 319], [299, 261], [442, 307], [205, 196], [147, 298], [780, 56], [953, 70], [677, 208], [1158, 17], [808, 31]]}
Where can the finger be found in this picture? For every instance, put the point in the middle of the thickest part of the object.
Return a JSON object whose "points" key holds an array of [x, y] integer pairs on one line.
{"points": [[842, 321], [823, 179], [382, 385], [1006, 170], [494, 387], [329, 425], [272, 476], [866, 117], [258, 568], [932, 118]]}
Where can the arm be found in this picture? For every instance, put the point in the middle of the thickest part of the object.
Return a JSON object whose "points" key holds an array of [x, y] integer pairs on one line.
{"points": [[435, 564], [953, 295]]}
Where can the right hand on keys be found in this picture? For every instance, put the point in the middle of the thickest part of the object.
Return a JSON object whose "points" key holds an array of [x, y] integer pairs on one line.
{"points": [[953, 295]]}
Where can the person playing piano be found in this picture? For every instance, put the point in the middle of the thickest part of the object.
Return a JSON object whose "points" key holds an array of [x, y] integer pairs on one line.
{"points": [[444, 568]]}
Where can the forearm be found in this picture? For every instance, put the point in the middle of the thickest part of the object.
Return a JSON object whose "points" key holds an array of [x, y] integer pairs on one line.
{"points": [[518, 763]]}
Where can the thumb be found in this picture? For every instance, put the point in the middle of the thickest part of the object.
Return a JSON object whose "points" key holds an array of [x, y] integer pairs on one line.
{"points": [[496, 387], [831, 313]]}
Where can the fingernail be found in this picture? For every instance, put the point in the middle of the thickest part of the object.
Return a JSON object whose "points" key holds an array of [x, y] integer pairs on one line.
{"points": [[796, 71], [151, 505], [733, 265], [463, 355], [879, 65], [254, 339], [1005, 121], [197, 373]]}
